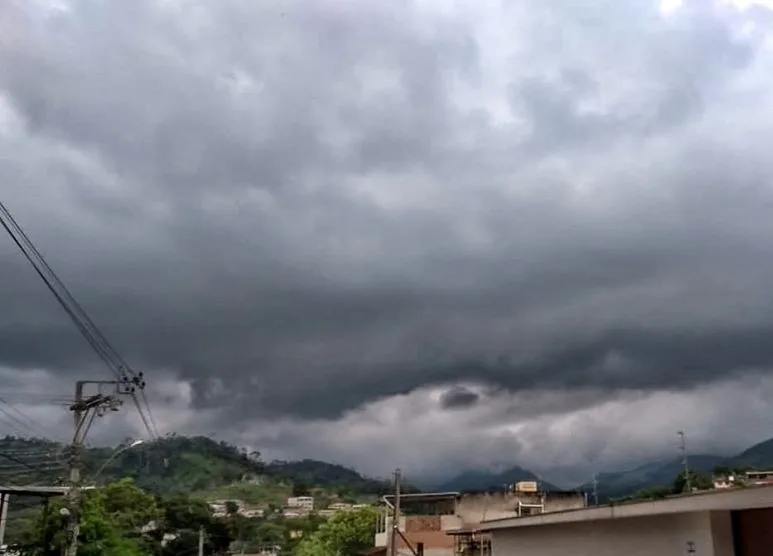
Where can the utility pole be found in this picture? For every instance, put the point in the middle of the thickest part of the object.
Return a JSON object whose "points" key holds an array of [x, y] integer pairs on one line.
{"points": [[683, 449], [395, 516], [85, 409], [595, 490], [4, 500], [73, 494], [47, 532], [201, 540]]}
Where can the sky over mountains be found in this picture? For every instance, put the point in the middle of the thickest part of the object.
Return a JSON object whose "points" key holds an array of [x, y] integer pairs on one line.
{"points": [[458, 233]]}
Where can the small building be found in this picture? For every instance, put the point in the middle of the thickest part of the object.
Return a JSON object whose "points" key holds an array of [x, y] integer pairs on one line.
{"points": [[302, 502], [340, 506], [724, 481], [220, 507], [448, 523], [727, 522], [759, 477], [294, 512]]}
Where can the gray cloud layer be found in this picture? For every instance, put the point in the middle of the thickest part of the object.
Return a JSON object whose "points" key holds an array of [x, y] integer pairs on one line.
{"points": [[301, 207]]}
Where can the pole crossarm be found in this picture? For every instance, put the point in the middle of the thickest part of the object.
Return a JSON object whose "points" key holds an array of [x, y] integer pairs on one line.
{"points": [[85, 409]]}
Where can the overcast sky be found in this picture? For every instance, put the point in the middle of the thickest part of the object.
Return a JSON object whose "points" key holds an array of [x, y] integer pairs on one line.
{"points": [[431, 234]]}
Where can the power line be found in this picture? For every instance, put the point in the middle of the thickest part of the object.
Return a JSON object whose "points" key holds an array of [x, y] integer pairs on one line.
{"points": [[20, 419], [123, 372], [19, 461]]}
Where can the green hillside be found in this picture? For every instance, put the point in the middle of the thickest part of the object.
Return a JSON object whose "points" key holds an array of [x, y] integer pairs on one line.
{"points": [[759, 456], [342, 480], [193, 465], [648, 476], [179, 474]]}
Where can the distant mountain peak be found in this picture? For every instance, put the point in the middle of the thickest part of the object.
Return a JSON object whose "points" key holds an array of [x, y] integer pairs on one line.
{"points": [[482, 479]]}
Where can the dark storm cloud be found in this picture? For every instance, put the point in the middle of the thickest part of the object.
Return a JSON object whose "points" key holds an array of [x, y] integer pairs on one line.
{"points": [[458, 397], [301, 207]]}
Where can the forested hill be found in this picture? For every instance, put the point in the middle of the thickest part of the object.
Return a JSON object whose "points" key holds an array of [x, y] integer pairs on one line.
{"points": [[334, 477], [176, 464]]}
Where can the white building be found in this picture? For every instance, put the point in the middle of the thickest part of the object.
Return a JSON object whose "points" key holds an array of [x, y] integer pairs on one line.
{"points": [[729, 522], [302, 502]]}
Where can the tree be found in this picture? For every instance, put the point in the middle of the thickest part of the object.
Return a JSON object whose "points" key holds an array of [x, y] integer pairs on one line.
{"points": [[698, 481], [181, 512], [345, 534], [128, 506], [231, 507], [184, 517], [111, 522], [300, 489]]}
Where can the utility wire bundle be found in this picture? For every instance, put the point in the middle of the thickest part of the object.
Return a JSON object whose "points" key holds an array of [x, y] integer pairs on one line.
{"points": [[132, 382]]}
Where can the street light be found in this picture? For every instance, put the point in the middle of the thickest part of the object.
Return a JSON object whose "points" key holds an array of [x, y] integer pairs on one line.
{"points": [[115, 455]]}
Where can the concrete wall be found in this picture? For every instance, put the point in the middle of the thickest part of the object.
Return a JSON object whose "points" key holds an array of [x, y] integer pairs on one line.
{"points": [[662, 535], [474, 508], [555, 502], [722, 534]]}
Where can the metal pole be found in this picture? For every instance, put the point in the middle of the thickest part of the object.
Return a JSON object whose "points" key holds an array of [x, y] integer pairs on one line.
{"points": [[4, 500], [47, 532], [201, 541], [683, 447], [73, 494], [115, 454], [395, 516]]}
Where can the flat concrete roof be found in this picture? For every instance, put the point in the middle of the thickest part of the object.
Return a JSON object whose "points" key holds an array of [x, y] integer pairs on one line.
{"points": [[443, 496], [32, 490], [35, 490], [720, 499], [425, 497], [466, 530]]}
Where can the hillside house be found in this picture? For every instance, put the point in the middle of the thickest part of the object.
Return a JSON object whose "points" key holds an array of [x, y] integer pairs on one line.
{"points": [[301, 502], [757, 478], [220, 508]]}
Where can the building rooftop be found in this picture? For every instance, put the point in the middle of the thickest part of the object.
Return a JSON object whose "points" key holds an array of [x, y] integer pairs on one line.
{"points": [[465, 530], [38, 490], [424, 497], [721, 499]]}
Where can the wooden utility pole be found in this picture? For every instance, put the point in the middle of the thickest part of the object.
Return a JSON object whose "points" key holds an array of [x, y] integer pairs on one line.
{"points": [[85, 409], [4, 500], [73, 494], [395, 516]]}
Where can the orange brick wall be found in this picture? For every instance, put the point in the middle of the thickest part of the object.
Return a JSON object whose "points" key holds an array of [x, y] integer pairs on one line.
{"points": [[431, 539], [426, 529], [416, 523]]}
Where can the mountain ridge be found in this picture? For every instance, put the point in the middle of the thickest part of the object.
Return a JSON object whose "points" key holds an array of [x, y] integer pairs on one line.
{"points": [[625, 482], [187, 464], [177, 464], [480, 480]]}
